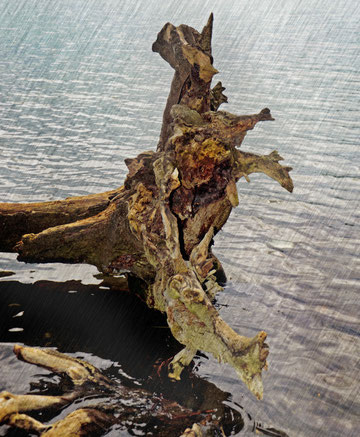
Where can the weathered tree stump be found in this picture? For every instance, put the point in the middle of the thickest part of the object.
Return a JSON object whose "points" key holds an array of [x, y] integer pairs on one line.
{"points": [[160, 225]]}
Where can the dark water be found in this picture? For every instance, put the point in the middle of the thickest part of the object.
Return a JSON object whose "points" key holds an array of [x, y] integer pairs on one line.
{"points": [[111, 329], [81, 90]]}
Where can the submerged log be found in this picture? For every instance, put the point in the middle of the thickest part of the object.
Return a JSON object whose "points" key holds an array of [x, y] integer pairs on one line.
{"points": [[160, 225]]}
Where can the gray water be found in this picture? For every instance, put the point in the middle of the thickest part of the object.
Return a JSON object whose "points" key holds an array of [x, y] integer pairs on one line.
{"points": [[81, 90]]}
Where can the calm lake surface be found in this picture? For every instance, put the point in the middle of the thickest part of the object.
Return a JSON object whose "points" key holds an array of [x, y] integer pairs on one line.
{"points": [[80, 90]]}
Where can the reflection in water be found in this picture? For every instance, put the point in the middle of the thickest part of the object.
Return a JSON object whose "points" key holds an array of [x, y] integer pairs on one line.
{"points": [[116, 332]]}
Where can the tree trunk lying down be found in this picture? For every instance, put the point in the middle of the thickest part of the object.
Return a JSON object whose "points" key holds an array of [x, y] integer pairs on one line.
{"points": [[160, 225]]}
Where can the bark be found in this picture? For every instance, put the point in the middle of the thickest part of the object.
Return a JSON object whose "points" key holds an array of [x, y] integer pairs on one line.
{"points": [[160, 225], [189, 54], [17, 219]]}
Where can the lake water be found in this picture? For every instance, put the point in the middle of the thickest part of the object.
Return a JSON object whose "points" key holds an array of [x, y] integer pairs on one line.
{"points": [[80, 90]]}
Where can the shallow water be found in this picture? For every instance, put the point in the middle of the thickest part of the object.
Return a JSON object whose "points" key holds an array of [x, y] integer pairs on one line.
{"points": [[81, 90]]}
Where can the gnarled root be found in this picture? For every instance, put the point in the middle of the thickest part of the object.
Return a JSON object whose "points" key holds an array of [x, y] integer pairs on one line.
{"points": [[248, 163], [178, 291], [77, 423], [195, 323], [82, 422]]}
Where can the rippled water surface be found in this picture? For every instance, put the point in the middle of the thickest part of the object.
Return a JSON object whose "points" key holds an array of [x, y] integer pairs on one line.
{"points": [[80, 90]]}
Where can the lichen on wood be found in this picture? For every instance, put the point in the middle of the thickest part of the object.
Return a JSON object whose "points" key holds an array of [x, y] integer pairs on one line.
{"points": [[159, 227]]}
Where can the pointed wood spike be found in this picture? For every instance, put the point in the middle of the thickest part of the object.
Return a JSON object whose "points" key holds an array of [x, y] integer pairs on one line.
{"points": [[206, 35]]}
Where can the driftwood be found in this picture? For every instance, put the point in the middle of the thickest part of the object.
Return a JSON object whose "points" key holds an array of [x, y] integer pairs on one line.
{"points": [[159, 226]]}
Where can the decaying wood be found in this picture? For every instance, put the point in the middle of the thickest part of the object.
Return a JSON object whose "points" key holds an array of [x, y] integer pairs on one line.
{"points": [[160, 226]]}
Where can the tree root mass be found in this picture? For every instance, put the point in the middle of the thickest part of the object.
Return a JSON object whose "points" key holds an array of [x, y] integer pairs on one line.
{"points": [[158, 227]]}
